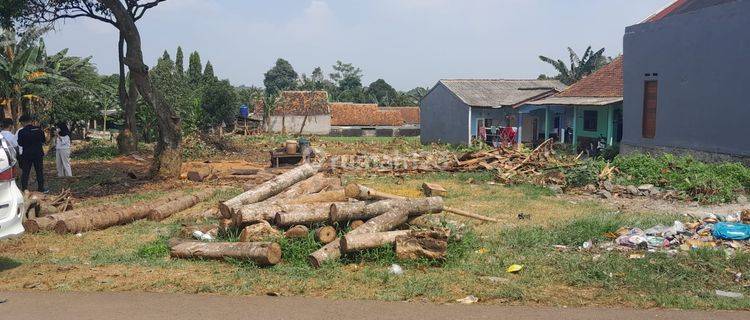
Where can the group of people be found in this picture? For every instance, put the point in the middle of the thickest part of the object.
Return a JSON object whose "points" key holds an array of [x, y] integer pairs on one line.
{"points": [[28, 143]]}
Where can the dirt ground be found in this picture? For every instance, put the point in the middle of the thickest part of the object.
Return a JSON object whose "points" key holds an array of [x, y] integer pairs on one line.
{"points": [[133, 257]]}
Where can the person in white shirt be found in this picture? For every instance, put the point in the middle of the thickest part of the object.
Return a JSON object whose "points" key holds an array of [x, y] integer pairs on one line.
{"points": [[62, 151], [7, 126]]}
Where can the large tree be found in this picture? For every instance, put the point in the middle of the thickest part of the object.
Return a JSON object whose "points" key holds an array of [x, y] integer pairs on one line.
{"points": [[580, 66], [179, 62], [195, 72], [383, 92], [123, 15], [280, 77]]}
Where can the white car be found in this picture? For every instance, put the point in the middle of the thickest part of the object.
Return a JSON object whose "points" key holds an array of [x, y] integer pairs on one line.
{"points": [[11, 198]]}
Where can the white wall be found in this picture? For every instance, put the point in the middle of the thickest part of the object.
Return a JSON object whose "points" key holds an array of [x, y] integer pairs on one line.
{"points": [[314, 125]]}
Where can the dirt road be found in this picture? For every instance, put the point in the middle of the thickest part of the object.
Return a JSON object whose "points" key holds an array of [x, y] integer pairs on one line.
{"points": [[130, 306]]}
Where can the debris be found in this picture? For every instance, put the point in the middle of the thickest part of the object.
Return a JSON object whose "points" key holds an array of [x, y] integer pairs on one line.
{"points": [[636, 256], [468, 300], [433, 190], [199, 235], [432, 244], [523, 216], [731, 231], [514, 268], [395, 270], [729, 294]]}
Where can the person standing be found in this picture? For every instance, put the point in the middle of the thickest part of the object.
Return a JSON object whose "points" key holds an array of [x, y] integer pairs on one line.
{"points": [[62, 151], [31, 139], [7, 126]]}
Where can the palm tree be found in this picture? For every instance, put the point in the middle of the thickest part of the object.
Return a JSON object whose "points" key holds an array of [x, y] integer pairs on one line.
{"points": [[579, 66]]}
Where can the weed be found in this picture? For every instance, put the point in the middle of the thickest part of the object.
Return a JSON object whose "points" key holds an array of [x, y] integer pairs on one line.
{"points": [[154, 250]]}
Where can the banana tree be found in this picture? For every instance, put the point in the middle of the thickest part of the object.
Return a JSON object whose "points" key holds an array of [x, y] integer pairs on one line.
{"points": [[580, 66]]}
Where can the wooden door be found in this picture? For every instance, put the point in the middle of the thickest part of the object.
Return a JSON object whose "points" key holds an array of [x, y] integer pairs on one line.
{"points": [[650, 94]]}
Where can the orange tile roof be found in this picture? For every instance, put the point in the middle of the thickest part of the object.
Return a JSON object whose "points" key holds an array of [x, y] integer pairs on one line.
{"points": [[605, 82], [363, 114], [302, 103], [410, 114]]}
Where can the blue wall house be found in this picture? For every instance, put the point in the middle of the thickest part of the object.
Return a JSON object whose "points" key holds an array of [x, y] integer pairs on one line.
{"points": [[586, 112], [453, 110], [687, 81]]}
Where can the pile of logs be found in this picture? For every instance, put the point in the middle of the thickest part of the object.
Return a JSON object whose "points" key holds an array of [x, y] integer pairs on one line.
{"points": [[107, 215], [542, 164], [38, 204], [303, 202]]}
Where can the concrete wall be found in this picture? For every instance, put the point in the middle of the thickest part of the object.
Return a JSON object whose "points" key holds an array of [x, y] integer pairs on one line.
{"points": [[382, 131], [314, 125], [443, 117], [701, 63]]}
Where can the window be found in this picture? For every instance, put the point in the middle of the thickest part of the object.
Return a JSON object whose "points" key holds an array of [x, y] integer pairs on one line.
{"points": [[649, 109], [590, 120]]}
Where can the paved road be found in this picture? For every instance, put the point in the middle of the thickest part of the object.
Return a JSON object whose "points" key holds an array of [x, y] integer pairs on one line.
{"points": [[136, 306]]}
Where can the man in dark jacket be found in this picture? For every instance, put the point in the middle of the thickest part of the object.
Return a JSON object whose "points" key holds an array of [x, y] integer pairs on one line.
{"points": [[31, 139]]}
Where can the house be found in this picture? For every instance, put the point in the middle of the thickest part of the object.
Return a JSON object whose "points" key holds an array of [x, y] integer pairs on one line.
{"points": [[595, 102], [301, 112], [686, 81], [453, 111], [367, 119]]}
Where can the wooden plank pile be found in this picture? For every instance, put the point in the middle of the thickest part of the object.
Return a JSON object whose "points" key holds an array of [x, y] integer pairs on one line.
{"points": [[303, 201]]}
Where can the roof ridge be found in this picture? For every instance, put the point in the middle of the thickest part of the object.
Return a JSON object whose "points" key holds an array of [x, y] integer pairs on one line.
{"points": [[497, 79]]}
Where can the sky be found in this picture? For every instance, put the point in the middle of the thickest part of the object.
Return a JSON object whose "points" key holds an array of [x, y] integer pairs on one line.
{"points": [[408, 43]]}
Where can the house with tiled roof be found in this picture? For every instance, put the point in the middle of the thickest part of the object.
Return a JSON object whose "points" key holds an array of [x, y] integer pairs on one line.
{"points": [[587, 112], [368, 119], [458, 111], [302, 112], [686, 81]]}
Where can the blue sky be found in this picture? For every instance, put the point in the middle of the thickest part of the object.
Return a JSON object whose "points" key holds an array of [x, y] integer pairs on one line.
{"points": [[406, 42]]}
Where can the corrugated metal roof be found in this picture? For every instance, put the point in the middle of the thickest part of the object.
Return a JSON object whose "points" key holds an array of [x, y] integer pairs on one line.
{"points": [[577, 101], [495, 93]]}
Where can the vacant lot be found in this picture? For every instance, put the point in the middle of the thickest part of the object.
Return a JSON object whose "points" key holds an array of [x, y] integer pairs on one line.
{"points": [[136, 257]]}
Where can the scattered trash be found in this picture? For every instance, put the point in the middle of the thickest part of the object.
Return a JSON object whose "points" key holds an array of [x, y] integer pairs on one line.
{"points": [[524, 216], [587, 245], [199, 235], [79, 234], [636, 256], [729, 294], [396, 270], [3, 300], [273, 294], [468, 300], [561, 248], [732, 231], [481, 251], [514, 268], [738, 277]]}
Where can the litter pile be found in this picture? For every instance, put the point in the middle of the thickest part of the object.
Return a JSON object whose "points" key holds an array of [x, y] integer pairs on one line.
{"points": [[302, 200], [542, 165], [729, 232]]}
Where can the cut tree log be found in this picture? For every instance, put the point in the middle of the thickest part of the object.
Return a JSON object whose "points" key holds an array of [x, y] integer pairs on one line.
{"points": [[325, 196], [243, 172], [258, 232], [359, 211], [298, 231], [433, 190], [325, 234], [198, 175], [268, 189], [356, 224], [422, 244], [180, 204], [262, 253], [87, 221], [383, 222], [312, 185], [364, 193], [306, 214], [47, 223], [357, 242], [265, 211]]}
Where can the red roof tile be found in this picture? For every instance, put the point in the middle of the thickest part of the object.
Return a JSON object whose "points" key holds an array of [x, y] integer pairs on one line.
{"points": [[302, 103], [605, 82], [360, 114], [410, 114]]}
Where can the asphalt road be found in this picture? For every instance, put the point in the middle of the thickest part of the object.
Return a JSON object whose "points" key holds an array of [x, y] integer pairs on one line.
{"points": [[136, 306]]}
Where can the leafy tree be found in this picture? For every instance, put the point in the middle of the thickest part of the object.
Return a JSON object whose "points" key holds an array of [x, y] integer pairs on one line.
{"points": [[178, 61], [579, 66], [175, 90], [208, 73], [280, 77], [195, 75], [248, 96], [383, 92], [220, 103], [345, 70], [123, 15]]}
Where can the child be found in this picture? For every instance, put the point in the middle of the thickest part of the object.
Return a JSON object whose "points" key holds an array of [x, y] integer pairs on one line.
{"points": [[62, 151]]}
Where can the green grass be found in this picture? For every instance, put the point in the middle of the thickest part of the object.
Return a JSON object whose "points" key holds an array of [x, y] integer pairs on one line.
{"points": [[96, 149]]}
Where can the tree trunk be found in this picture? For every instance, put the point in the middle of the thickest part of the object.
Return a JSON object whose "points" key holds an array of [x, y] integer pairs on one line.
{"points": [[359, 211], [47, 223], [180, 204], [325, 234], [265, 211], [314, 184], [422, 244], [383, 222], [305, 214], [260, 231], [297, 232], [357, 242], [267, 189], [167, 154], [127, 140], [325, 196], [262, 253]]}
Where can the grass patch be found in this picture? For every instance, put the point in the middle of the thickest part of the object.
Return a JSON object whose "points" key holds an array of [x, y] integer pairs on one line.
{"points": [[96, 149]]}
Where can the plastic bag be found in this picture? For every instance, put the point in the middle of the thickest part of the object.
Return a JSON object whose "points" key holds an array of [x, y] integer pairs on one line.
{"points": [[732, 231]]}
